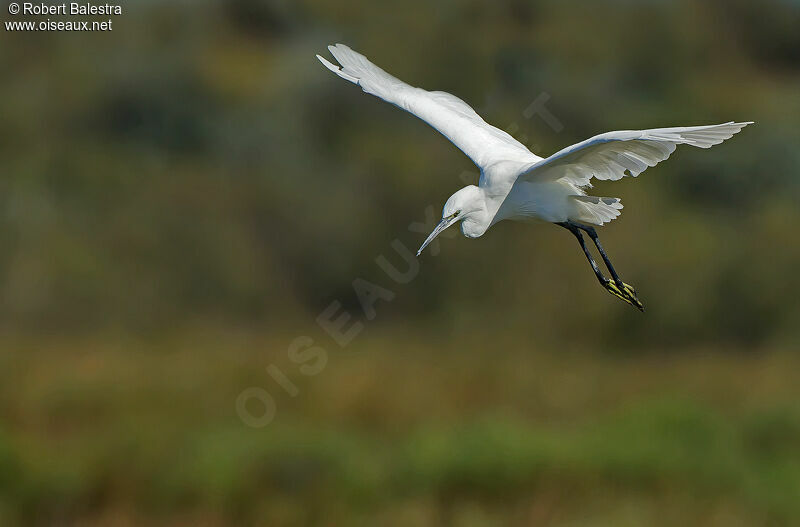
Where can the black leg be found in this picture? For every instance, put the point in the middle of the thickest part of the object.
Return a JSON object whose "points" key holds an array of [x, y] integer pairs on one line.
{"points": [[593, 235], [574, 229], [616, 287]]}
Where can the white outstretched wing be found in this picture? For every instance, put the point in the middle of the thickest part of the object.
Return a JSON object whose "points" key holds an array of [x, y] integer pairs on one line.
{"points": [[452, 117], [613, 155]]}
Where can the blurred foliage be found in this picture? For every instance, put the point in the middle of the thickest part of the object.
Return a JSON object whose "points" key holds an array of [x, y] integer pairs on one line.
{"points": [[197, 168], [144, 432], [201, 163]]}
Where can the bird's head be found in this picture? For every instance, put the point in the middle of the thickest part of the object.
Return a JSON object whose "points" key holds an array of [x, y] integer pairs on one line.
{"points": [[461, 206]]}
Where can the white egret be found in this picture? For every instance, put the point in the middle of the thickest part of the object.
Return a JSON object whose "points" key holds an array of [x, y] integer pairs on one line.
{"points": [[516, 184]]}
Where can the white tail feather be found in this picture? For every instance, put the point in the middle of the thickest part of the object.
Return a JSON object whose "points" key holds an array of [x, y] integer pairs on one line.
{"points": [[596, 210]]}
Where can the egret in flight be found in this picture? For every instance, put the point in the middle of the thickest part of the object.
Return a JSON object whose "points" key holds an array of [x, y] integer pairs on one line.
{"points": [[516, 184]]}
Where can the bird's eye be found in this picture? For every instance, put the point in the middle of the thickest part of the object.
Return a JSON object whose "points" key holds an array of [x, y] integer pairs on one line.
{"points": [[456, 213]]}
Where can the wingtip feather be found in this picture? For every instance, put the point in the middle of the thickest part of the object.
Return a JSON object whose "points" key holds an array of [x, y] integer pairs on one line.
{"points": [[336, 69], [325, 62]]}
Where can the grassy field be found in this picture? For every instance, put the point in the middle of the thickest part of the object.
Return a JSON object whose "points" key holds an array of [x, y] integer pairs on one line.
{"points": [[121, 431]]}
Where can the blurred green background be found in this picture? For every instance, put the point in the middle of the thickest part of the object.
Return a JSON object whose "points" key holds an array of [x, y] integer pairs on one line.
{"points": [[183, 196]]}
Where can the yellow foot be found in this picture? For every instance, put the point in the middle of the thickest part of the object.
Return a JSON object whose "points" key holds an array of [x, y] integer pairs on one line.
{"points": [[627, 293]]}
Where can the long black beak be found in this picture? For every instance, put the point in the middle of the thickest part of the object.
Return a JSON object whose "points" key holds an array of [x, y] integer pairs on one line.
{"points": [[444, 224]]}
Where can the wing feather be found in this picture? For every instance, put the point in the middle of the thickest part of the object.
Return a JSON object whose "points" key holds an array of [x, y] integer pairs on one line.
{"points": [[449, 115], [613, 155]]}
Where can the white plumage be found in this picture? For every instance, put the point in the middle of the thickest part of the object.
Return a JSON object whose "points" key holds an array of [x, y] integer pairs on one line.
{"points": [[515, 183]]}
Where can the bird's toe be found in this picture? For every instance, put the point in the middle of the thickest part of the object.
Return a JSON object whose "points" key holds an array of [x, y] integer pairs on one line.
{"points": [[626, 293]]}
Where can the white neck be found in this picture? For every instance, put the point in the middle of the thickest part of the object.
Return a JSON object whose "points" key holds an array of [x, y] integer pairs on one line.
{"points": [[477, 221]]}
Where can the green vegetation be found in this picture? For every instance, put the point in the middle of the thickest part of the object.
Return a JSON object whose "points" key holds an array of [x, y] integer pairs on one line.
{"points": [[146, 431], [182, 196]]}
